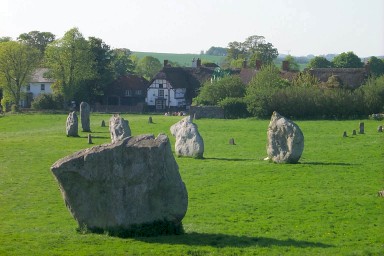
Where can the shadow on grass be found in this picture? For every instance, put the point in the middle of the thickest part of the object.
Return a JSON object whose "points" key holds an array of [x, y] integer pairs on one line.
{"points": [[227, 159], [325, 163], [222, 240]]}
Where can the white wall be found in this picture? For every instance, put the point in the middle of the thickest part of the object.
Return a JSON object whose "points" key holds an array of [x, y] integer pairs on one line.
{"points": [[173, 97]]}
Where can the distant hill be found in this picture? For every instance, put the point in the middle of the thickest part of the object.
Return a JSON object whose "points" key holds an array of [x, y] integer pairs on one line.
{"points": [[184, 60]]}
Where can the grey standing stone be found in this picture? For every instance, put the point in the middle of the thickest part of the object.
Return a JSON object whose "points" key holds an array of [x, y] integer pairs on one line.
{"points": [[150, 120], [285, 140], [353, 132], [380, 128], [72, 125], [119, 128], [188, 139], [85, 112], [114, 186], [232, 141], [361, 128], [102, 123], [90, 139], [345, 134]]}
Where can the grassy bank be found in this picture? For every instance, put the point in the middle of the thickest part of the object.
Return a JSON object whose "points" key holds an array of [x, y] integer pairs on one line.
{"points": [[238, 203]]}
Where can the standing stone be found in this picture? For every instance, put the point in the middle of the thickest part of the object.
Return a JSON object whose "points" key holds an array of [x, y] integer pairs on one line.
{"points": [[361, 127], [119, 128], [285, 140], [102, 123], [90, 139], [380, 128], [119, 185], [188, 140], [72, 125], [345, 134], [232, 141], [85, 111], [353, 132], [150, 120]]}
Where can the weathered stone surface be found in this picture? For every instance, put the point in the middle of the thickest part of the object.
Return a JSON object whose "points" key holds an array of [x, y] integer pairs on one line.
{"points": [[119, 128], [361, 127], [188, 139], [72, 125], [285, 140], [131, 182], [85, 112]]}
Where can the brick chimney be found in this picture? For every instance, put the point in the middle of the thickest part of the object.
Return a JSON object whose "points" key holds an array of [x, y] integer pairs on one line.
{"points": [[244, 64], [198, 63], [285, 65], [259, 63]]}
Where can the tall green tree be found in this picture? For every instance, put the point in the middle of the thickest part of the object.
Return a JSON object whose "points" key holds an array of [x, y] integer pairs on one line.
{"points": [[376, 66], [17, 64], [4, 39], [37, 39], [347, 60], [122, 62], [71, 62], [293, 65], [148, 67], [319, 62]]}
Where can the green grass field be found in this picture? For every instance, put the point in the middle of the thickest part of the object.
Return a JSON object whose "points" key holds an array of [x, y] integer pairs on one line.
{"points": [[238, 203]]}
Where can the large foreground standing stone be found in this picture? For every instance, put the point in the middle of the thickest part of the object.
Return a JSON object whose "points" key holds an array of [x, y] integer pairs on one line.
{"points": [[131, 182], [285, 140], [72, 125], [119, 128], [85, 112], [188, 140]]}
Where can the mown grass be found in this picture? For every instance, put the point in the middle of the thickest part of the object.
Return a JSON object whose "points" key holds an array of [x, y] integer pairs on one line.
{"points": [[238, 203]]}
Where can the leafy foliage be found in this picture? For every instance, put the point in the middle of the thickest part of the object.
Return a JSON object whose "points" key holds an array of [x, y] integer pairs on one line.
{"points": [[234, 107], [46, 101], [217, 51], [347, 60], [376, 66], [17, 63], [319, 62], [148, 67], [37, 39], [213, 92]]}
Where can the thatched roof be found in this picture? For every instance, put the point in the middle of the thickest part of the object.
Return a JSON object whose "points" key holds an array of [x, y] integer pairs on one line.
{"points": [[128, 82], [350, 77]]}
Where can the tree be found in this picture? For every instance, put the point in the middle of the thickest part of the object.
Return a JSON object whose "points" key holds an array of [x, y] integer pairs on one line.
{"points": [[254, 47], [148, 67], [319, 62], [217, 51], [5, 39], [37, 39], [123, 62], [376, 66], [71, 62], [17, 64], [347, 60]]}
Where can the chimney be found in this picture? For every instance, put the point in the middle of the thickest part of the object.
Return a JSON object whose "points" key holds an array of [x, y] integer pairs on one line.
{"points": [[259, 63], [165, 63], [198, 63], [285, 65], [367, 68], [244, 64]]}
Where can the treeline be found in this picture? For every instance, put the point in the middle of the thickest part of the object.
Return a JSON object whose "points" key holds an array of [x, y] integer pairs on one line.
{"points": [[82, 68], [303, 98]]}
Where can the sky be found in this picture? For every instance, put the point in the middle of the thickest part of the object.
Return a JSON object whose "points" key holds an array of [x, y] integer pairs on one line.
{"points": [[296, 27]]}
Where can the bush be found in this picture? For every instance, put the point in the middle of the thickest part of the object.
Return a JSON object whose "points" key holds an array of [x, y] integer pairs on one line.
{"points": [[46, 101], [234, 108]]}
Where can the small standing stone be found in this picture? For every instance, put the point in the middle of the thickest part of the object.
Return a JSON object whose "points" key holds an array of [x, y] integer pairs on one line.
{"points": [[90, 139], [345, 134], [72, 125], [354, 132], [361, 125], [118, 128], [150, 120], [102, 123], [380, 128], [85, 111], [232, 141]]}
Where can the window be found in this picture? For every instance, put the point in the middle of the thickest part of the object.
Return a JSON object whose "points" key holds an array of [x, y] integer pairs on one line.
{"points": [[128, 93], [160, 85], [138, 92], [161, 93], [42, 87]]}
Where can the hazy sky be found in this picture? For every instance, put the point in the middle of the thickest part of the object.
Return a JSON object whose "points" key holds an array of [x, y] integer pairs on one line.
{"points": [[298, 27]]}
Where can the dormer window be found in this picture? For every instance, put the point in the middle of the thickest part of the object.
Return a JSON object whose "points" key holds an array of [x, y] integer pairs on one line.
{"points": [[42, 87]]}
